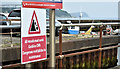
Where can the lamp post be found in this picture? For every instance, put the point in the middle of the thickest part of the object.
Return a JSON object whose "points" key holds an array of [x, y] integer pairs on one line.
{"points": [[80, 17], [79, 20]]}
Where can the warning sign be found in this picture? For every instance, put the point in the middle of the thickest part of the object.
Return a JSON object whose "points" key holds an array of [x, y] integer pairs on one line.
{"points": [[34, 25], [33, 35], [34, 48]]}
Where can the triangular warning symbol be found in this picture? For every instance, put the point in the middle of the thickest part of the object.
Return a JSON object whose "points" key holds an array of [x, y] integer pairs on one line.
{"points": [[34, 25]]}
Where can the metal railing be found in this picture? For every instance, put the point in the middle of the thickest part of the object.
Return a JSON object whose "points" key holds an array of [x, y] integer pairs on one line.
{"points": [[10, 27], [80, 59], [92, 24]]}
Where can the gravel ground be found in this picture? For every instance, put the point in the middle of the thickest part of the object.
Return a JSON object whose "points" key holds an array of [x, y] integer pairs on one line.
{"points": [[6, 41]]}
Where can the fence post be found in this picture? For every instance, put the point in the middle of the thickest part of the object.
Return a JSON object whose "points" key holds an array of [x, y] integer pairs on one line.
{"points": [[60, 47], [28, 66], [11, 35], [100, 46]]}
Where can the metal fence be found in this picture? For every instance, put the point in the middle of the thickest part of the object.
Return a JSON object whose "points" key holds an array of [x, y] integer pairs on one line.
{"points": [[85, 59], [10, 27], [95, 58]]}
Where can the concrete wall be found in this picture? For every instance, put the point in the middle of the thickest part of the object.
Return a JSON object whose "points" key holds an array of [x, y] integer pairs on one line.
{"points": [[13, 53]]}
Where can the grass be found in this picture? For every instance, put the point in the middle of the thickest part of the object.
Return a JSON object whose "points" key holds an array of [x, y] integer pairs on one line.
{"points": [[9, 45]]}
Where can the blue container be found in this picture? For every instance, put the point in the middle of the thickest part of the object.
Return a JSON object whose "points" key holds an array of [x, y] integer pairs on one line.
{"points": [[73, 31]]}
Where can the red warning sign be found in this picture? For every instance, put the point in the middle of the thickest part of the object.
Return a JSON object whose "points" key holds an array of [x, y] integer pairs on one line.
{"points": [[34, 25], [34, 49], [33, 35]]}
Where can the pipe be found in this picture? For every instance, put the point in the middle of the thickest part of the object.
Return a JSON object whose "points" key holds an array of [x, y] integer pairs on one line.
{"points": [[89, 24], [12, 65]]}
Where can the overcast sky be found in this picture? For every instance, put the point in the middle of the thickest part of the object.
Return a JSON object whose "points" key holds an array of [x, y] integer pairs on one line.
{"points": [[92, 9]]}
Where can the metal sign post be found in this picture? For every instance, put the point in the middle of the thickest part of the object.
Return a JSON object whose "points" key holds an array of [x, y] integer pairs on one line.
{"points": [[52, 39]]}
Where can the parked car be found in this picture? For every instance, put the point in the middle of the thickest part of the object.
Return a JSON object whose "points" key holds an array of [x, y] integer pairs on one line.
{"points": [[2, 16], [57, 26], [5, 23], [15, 14]]}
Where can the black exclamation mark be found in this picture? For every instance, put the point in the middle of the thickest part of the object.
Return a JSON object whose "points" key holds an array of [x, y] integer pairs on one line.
{"points": [[33, 26]]}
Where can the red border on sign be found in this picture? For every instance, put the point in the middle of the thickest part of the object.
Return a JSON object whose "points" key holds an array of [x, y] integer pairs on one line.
{"points": [[37, 32], [25, 58], [48, 5]]}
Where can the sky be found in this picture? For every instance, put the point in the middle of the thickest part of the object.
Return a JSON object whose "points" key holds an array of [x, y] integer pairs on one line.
{"points": [[94, 8]]}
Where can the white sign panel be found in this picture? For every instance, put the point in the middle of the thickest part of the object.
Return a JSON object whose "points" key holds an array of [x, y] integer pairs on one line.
{"points": [[33, 35]]}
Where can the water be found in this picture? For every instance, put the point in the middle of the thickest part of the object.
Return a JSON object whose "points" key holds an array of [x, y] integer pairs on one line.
{"points": [[118, 55]]}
